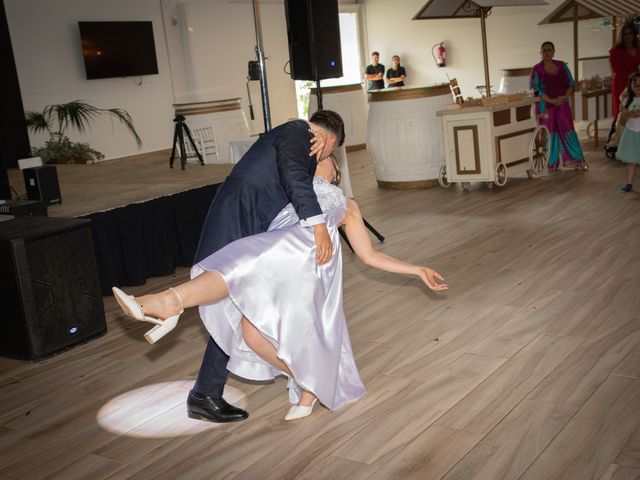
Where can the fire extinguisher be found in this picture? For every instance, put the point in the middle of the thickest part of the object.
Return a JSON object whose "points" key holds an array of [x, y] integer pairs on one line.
{"points": [[439, 52]]}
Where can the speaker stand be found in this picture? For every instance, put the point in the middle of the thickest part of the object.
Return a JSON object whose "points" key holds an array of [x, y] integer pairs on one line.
{"points": [[370, 227], [319, 93], [266, 111]]}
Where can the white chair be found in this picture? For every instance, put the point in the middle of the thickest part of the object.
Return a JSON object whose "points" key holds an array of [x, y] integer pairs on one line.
{"points": [[205, 140], [207, 143]]}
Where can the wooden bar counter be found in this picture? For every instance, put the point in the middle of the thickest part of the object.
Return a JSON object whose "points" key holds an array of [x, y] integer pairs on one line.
{"points": [[404, 136]]}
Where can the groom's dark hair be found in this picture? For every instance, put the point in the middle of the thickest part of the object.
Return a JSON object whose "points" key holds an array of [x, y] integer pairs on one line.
{"points": [[331, 121]]}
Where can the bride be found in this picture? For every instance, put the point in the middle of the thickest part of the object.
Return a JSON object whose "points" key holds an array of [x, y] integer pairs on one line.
{"points": [[273, 309]]}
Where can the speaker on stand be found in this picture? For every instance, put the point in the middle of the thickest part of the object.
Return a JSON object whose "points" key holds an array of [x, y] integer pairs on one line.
{"points": [[313, 32]]}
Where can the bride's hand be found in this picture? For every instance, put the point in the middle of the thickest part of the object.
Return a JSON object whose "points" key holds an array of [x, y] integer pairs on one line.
{"points": [[317, 142], [431, 278]]}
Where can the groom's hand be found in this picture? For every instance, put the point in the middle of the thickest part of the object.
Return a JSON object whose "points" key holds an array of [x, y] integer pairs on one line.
{"points": [[318, 142], [324, 247]]}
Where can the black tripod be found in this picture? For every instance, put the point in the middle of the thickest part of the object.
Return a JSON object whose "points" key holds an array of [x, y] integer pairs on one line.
{"points": [[178, 136]]}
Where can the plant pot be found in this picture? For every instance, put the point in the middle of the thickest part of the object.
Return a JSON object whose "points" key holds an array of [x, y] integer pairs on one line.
{"points": [[66, 160]]}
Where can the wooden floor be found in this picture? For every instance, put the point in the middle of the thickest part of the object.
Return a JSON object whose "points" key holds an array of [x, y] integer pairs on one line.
{"points": [[529, 367]]}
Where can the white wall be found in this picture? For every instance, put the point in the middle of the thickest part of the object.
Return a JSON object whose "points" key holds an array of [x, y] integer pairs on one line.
{"points": [[213, 40], [208, 61], [514, 39], [46, 44]]}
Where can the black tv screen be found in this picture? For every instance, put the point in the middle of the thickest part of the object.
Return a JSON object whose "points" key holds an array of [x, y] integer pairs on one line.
{"points": [[118, 49]]}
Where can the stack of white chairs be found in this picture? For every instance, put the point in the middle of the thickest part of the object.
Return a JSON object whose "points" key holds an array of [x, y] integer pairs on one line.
{"points": [[205, 140]]}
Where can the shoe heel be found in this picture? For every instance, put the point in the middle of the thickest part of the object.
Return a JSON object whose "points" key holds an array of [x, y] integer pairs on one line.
{"points": [[195, 416], [159, 331]]}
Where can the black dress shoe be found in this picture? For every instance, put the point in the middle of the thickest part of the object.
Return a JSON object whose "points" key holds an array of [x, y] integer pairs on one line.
{"points": [[203, 407]]}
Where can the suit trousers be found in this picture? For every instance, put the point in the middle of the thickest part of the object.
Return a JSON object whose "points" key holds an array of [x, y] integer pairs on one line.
{"points": [[213, 371]]}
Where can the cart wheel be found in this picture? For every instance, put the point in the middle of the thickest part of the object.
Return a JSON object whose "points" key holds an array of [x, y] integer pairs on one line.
{"points": [[501, 175], [539, 150], [591, 130], [442, 177]]}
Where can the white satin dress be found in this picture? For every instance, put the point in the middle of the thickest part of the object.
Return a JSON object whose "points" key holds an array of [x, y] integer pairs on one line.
{"points": [[275, 281]]}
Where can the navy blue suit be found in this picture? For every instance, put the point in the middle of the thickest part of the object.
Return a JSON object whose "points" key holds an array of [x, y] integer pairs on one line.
{"points": [[275, 171]]}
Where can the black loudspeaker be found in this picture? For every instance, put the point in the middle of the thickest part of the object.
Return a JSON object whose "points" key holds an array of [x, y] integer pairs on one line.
{"points": [[42, 184], [313, 31], [50, 297]]}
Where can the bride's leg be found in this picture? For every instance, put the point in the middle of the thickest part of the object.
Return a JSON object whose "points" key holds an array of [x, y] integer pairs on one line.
{"points": [[306, 398], [205, 288], [265, 349]]}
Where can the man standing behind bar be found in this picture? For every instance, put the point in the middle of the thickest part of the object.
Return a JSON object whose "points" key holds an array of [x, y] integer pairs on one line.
{"points": [[374, 73]]}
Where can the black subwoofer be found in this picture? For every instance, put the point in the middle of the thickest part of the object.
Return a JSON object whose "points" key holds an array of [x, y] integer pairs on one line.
{"points": [[50, 296], [313, 32]]}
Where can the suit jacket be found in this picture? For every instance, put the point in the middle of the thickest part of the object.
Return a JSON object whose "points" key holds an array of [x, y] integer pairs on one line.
{"points": [[275, 171]]}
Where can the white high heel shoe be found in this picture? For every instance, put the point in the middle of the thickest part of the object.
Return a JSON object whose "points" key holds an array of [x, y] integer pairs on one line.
{"points": [[300, 411], [132, 308]]}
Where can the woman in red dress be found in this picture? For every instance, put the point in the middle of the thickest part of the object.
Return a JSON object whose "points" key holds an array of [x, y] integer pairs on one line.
{"points": [[625, 60]]}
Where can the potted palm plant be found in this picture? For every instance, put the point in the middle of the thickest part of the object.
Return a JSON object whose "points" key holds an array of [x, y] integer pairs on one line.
{"points": [[56, 120]]}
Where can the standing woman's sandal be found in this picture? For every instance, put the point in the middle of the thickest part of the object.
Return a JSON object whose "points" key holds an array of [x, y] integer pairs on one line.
{"points": [[132, 308]]}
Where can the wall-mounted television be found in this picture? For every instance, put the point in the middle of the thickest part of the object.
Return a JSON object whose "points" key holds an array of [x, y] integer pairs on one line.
{"points": [[118, 49]]}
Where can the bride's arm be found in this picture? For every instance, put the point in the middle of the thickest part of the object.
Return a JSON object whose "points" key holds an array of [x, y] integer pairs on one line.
{"points": [[359, 238]]}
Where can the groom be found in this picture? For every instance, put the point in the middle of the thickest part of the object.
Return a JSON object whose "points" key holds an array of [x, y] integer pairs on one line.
{"points": [[277, 170]]}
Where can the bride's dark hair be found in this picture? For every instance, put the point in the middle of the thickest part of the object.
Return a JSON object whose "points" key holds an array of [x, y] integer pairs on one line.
{"points": [[338, 175]]}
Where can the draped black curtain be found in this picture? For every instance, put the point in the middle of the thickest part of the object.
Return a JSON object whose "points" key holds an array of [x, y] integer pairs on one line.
{"points": [[149, 239], [14, 139]]}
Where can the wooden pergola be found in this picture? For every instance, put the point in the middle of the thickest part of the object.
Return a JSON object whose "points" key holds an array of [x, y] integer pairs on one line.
{"points": [[576, 10]]}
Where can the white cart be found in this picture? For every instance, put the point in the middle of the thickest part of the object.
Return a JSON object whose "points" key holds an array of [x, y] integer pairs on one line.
{"points": [[487, 143]]}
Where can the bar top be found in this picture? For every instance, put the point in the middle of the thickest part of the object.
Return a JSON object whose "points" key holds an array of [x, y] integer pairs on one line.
{"points": [[404, 93], [206, 103], [213, 106], [516, 72], [338, 89], [488, 108]]}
